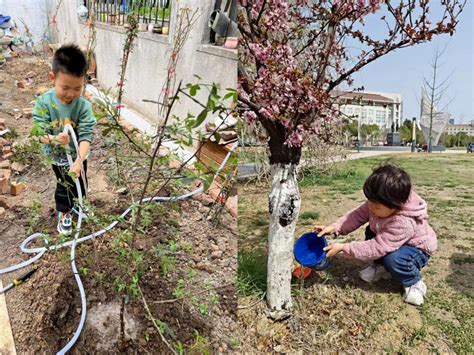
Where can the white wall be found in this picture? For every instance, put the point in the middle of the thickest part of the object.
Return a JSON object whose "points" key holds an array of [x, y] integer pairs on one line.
{"points": [[147, 65], [33, 12]]}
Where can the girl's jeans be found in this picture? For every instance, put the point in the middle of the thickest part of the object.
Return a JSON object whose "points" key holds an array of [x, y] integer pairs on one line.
{"points": [[403, 264]]}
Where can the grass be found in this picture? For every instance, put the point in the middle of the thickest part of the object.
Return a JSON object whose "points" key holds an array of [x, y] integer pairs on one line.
{"points": [[338, 303], [345, 181], [310, 215], [251, 272]]}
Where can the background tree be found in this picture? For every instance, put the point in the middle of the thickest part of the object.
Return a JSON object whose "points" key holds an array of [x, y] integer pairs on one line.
{"points": [[293, 55], [435, 99], [351, 127], [406, 133], [369, 132]]}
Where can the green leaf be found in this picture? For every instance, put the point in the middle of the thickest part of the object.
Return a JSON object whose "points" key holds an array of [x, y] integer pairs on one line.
{"points": [[229, 95], [194, 89], [200, 118], [73, 175]]}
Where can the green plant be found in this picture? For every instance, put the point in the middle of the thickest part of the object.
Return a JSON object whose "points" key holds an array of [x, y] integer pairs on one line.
{"points": [[310, 215], [35, 213], [251, 272], [201, 344]]}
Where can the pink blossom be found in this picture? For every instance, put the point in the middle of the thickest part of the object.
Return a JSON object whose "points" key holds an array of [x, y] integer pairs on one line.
{"points": [[250, 116]]}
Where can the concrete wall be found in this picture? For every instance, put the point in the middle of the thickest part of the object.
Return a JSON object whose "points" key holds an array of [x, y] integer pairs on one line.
{"points": [[146, 71], [33, 12]]}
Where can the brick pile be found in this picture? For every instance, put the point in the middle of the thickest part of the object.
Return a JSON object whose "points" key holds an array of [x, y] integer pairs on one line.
{"points": [[7, 169]]}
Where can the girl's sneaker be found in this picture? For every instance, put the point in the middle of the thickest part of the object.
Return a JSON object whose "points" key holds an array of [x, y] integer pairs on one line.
{"points": [[374, 272], [64, 223], [415, 294]]}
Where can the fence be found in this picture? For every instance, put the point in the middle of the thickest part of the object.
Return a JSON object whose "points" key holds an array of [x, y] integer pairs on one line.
{"points": [[115, 12]]}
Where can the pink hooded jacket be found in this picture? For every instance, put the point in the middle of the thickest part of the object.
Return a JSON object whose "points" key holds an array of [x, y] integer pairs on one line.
{"points": [[409, 226]]}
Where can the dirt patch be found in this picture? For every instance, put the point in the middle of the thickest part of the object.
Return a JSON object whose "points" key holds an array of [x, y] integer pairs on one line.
{"points": [[187, 261]]}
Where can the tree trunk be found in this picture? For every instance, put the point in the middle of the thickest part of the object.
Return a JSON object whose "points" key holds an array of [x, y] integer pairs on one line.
{"points": [[284, 207]]}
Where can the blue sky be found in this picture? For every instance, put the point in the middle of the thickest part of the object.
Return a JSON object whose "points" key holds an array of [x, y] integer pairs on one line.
{"points": [[402, 71]]}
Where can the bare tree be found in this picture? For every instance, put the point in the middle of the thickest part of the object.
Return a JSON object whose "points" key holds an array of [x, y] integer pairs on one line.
{"points": [[435, 100]]}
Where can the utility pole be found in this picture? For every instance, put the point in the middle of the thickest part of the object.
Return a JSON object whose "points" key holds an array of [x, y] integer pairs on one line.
{"points": [[358, 133]]}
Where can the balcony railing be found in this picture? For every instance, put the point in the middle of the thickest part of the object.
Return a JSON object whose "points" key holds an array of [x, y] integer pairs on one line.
{"points": [[115, 12]]}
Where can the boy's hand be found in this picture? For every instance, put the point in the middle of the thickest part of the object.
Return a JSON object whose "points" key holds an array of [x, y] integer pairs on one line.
{"points": [[324, 230], [76, 168], [333, 249], [62, 138]]}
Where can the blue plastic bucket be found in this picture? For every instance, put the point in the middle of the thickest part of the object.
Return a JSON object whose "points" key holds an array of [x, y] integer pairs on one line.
{"points": [[308, 251]]}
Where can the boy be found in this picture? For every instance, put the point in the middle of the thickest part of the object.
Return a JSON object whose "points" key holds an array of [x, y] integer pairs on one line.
{"points": [[59, 106]]}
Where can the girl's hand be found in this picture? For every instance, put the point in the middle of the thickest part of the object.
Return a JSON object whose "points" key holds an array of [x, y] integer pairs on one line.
{"points": [[324, 230], [333, 249]]}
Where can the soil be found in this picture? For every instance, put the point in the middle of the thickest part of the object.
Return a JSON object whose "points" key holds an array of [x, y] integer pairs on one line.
{"points": [[45, 310]]}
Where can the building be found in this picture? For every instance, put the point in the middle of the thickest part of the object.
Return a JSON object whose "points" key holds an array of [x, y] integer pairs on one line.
{"points": [[382, 109], [147, 66], [456, 128]]}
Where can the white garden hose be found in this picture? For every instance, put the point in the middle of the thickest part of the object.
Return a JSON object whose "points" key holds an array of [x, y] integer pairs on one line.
{"points": [[40, 251]]}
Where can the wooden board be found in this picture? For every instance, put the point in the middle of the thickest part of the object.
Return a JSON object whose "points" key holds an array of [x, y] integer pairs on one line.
{"points": [[213, 154], [7, 345]]}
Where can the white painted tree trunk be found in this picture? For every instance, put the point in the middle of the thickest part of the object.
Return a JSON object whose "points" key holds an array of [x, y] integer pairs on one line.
{"points": [[284, 207]]}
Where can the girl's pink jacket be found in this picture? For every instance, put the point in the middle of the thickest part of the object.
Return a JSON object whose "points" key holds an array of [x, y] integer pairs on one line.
{"points": [[409, 226]]}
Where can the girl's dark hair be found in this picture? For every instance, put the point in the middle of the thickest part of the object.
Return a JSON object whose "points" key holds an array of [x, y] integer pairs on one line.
{"points": [[388, 185], [69, 59]]}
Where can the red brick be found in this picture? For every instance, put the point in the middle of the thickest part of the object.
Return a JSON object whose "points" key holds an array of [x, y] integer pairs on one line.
{"points": [[5, 164], [4, 186], [7, 156], [6, 149], [4, 202], [16, 189], [5, 173]]}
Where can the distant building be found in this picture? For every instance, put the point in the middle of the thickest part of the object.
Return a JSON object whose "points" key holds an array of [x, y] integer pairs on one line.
{"points": [[382, 109], [456, 128], [451, 121]]}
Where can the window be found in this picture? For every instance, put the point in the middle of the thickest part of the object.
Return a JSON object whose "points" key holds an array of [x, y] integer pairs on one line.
{"points": [[380, 118], [115, 12]]}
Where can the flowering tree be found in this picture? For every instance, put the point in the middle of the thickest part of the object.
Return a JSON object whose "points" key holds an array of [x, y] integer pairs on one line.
{"points": [[293, 54]]}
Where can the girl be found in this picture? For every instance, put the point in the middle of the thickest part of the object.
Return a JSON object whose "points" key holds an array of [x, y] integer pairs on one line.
{"points": [[399, 241]]}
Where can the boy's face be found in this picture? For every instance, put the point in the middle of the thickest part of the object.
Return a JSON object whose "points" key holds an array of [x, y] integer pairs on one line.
{"points": [[380, 210], [68, 87]]}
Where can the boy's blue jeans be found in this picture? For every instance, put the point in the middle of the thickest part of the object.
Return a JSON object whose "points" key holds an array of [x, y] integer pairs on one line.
{"points": [[403, 264]]}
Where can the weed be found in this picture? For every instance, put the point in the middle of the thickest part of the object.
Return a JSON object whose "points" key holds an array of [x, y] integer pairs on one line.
{"points": [[251, 272]]}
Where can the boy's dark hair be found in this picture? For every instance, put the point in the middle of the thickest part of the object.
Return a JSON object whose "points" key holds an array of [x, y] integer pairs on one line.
{"points": [[70, 59], [389, 185]]}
